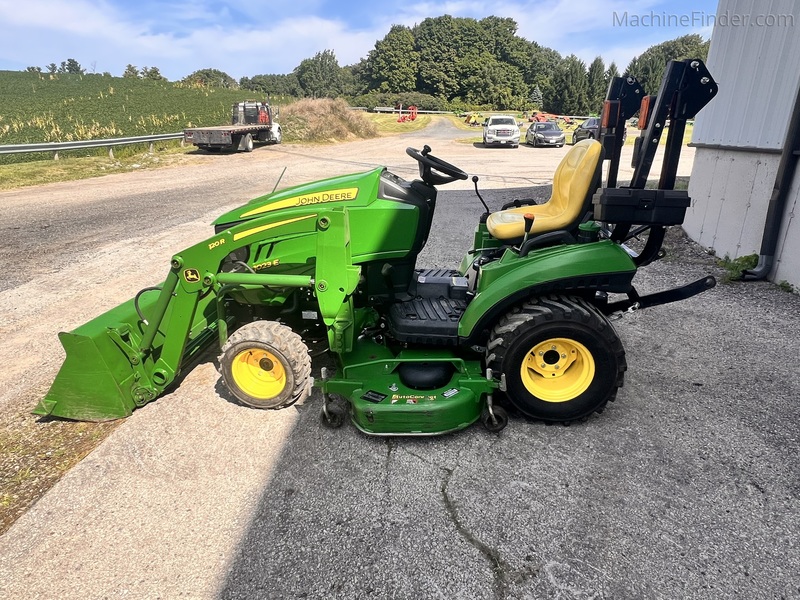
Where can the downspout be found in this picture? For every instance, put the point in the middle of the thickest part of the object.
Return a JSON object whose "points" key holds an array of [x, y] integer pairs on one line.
{"points": [[779, 198]]}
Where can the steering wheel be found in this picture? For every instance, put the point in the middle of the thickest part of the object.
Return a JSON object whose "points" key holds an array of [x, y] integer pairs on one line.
{"points": [[428, 163]]}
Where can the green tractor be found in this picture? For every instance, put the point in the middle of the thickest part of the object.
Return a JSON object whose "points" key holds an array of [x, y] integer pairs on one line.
{"points": [[523, 322]]}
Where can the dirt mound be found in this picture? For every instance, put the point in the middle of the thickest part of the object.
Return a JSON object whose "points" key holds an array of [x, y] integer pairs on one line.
{"points": [[324, 120]]}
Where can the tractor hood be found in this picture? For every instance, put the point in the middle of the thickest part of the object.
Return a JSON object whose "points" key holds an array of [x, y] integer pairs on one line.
{"points": [[357, 188]]}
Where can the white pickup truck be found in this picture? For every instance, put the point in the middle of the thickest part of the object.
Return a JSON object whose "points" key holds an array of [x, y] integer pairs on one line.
{"points": [[501, 130]]}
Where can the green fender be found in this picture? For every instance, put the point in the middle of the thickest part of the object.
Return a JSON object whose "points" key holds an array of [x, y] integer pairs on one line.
{"points": [[503, 283]]}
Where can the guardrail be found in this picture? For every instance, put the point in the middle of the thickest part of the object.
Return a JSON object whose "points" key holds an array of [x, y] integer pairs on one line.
{"points": [[109, 143], [389, 109]]}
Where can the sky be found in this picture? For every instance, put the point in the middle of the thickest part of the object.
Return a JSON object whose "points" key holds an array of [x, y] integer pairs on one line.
{"points": [[246, 38]]}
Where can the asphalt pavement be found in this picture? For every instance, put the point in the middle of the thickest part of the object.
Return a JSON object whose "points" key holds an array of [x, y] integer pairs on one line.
{"points": [[686, 487]]}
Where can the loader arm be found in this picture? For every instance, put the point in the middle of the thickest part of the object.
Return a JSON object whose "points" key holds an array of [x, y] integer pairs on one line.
{"points": [[131, 354]]}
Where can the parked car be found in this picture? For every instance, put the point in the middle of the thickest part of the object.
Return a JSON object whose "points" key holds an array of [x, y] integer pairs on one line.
{"points": [[590, 129], [501, 130], [545, 134]]}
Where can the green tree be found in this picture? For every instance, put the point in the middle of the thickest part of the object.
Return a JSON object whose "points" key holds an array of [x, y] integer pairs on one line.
{"points": [[495, 83], [152, 73], [71, 67], [349, 82], [540, 69], [320, 77], [358, 78], [34, 69], [537, 99], [438, 57], [611, 72], [213, 78], [393, 63], [648, 67], [571, 88], [52, 68], [131, 71], [277, 85], [501, 40], [597, 85]]}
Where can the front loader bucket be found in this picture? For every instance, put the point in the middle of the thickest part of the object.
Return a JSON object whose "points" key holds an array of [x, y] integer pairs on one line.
{"points": [[89, 386], [118, 361]]}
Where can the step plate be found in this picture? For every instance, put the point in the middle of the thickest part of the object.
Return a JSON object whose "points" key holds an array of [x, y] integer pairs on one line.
{"points": [[432, 321]]}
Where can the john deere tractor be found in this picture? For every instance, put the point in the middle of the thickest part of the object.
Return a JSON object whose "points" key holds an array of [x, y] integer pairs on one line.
{"points": [[522, 322]]}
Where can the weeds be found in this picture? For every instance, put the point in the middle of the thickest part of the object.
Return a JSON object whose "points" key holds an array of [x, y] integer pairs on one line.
{"points": [[735, 267]]}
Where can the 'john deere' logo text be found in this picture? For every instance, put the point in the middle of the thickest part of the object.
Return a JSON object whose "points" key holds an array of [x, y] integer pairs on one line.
{"points": [[340, 195], [191, 275], [332, 196]]}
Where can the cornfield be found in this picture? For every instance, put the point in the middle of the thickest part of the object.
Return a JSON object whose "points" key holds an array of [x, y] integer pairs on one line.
{"points": [[39, 107]]}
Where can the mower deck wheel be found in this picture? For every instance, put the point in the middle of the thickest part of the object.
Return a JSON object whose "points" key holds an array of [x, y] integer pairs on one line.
{"points": [[495, 421], [334, 417]]}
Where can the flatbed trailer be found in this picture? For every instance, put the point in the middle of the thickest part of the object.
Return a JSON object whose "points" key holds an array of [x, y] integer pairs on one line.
{"points": [[251, 122]]}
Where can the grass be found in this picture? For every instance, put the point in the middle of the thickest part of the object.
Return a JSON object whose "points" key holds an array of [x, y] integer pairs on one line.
{"points": [[73, 165], [734, 267], [633, 133], [387, 124], [36, 453]]}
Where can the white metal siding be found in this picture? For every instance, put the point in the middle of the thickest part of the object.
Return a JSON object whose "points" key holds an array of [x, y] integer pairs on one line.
{"points": [[787, 254], [758, 70], [730, 193]]}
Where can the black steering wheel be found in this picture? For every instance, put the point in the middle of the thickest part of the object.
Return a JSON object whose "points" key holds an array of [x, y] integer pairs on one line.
{"points": [[428, 163]]}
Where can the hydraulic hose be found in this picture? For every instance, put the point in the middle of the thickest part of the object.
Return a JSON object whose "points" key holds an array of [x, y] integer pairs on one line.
{"points": [[138, 295]]}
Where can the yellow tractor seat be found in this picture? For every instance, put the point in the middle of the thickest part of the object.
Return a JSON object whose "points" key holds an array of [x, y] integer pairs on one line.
{"points": [[574, 184]]}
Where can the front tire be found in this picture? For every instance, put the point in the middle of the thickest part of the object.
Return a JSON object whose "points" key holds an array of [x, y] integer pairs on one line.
{"points": [[266, 365], [561, 357]]}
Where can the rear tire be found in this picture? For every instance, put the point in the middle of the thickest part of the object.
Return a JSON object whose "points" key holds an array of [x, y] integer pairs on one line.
{"points": [[266, 365], [561, 357], [247, 143]]}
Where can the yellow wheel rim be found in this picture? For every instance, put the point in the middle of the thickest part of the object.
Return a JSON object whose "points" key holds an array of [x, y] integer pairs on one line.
{"points": [[258, 373], [558, 370]]}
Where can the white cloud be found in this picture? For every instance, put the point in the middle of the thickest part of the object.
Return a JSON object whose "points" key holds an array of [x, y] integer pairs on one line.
{"points": [[247, 38]]}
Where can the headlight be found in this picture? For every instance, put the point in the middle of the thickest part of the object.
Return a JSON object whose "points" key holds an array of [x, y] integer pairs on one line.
{"points": [[540, 136]]}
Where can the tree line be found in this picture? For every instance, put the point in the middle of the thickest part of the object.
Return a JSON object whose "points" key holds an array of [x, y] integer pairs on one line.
{"points": [[450, 63]]}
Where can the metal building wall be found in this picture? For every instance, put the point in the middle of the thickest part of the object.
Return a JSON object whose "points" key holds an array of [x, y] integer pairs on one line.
{"points": [[740, 134]]}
